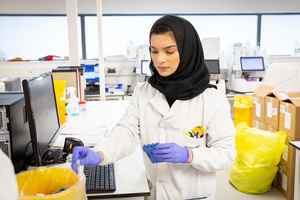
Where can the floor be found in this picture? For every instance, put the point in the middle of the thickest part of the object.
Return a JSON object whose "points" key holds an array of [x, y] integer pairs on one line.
{"points": [[225, 191]]}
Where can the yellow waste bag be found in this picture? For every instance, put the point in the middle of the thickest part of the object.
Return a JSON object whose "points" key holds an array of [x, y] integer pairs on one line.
{"points": [[49, 180], [258, 156], [242, 110], [60, 87]]}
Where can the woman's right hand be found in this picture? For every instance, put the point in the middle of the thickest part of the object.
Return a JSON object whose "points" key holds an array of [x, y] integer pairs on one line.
{"points": [[87, 157]]}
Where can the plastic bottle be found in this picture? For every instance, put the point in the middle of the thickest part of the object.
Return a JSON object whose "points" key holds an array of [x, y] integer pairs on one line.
{"points": [[73, 106], [131, 50]]}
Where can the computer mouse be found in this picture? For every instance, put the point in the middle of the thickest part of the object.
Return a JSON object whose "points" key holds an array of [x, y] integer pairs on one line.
{"points": [[70, 143]]}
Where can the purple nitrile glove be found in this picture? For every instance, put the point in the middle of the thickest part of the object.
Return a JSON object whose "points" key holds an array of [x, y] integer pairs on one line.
{"points": [[86, 156], [171, 152]]}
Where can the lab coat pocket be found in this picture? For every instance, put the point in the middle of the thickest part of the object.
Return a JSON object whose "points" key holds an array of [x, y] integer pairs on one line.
{"points": [[192, 142]]}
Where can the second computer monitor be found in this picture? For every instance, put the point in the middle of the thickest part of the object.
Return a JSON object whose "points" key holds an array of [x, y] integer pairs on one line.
{"points": [[212, 66], [145, 70], [251, 64]]}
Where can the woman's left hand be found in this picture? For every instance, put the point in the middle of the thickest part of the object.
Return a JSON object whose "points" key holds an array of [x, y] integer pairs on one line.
{"points": [[171, 152]]}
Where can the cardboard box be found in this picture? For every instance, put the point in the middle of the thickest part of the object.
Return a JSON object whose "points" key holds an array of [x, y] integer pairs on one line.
{"points": [[268, 127], [289, 120], [258, 106], [275, 181], [288, 158], [272, 105], [257, 124], [286, 180]]}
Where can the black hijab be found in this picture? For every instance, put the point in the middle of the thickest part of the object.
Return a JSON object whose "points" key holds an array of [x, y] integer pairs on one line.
{"points": [[191, 77]]}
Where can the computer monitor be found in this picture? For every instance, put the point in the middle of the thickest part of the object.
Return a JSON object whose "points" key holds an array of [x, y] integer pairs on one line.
{"points": [[252, 64], [212, 66], [43, 119], [145, 67]]}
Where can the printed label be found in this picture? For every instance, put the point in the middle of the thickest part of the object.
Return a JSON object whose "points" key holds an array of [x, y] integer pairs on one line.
{"points": [[285, 153], [253, 99], [282, 109], [282, 96], [269, 110], [258, 109], [284, 182], [287, 107], [274, 111], [287, 121]]}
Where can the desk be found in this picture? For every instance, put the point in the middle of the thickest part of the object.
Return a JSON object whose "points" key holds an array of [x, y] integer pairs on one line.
{"points": [[296, 144], [130, 173]]}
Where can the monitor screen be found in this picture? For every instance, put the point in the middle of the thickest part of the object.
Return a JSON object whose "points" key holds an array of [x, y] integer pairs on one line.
{"points": [[212, 66], [252, 64], [145, 68], [42, 113]]}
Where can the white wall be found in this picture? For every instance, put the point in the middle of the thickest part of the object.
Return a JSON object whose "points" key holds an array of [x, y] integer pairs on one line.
{"points": [[152, 6]]}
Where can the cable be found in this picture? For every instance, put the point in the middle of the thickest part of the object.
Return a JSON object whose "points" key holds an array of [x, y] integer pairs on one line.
{"points": [[26, 158]]}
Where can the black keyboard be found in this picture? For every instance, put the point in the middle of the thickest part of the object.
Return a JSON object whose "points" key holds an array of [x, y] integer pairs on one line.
{"points": [[100, 179]]}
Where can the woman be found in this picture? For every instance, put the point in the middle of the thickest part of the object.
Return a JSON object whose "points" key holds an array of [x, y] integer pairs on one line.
{"points": [[176, 99]]}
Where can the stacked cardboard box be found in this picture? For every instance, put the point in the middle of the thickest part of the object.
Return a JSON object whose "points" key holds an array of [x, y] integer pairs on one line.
{"points": [[289, 122], [279, 112], [285, 182], [258, 106]]}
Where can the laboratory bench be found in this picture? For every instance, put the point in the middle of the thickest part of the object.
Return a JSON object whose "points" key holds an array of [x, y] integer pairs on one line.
{"points": [[108, 96], [131, 180], [94, 96], [92, 93]]}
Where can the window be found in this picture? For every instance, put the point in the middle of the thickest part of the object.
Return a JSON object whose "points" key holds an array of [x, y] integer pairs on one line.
{"points": [[280, 33], [32, 37], [117, 31], [229, 28]]}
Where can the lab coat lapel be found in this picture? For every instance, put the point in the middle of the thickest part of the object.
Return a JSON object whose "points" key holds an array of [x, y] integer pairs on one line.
{"points": [[160, 103]]}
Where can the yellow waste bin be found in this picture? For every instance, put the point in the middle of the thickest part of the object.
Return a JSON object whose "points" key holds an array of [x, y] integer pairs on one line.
{"points": [[49, 182], [242, 110], [60, 87]]}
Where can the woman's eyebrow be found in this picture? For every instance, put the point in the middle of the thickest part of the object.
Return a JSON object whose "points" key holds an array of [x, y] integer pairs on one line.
{"points": [[164, 47], [169, 46]]}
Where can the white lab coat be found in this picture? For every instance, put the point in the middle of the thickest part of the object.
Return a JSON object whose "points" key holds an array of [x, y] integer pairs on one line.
{"points": [[8, 181], [149, 119]]}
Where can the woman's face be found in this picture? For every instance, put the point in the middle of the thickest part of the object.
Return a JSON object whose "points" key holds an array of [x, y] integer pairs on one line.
{"points": [[164, 54]]}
